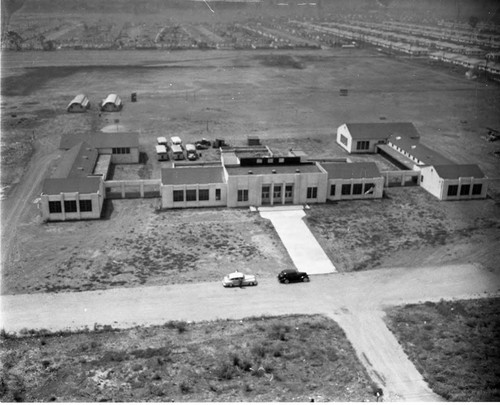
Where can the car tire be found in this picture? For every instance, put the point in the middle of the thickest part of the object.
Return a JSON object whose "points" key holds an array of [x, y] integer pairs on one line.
{"points": [[286, 281], [305, 279]]}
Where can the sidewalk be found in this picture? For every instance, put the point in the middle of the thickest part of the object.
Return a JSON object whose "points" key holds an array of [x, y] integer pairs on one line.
{"points": [[303, 248]]}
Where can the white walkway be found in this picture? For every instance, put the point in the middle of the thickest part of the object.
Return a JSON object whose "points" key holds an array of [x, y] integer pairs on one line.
{"points": [[302, 246]]}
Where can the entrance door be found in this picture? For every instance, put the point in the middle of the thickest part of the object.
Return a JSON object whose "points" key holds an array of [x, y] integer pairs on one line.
{"points": [[289, 194], [266, 195]]}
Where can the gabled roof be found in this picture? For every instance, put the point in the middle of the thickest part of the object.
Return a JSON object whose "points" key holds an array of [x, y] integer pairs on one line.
{"points": [[192, 175], [455, 171], [101, 139], [381, 130], [79, 161], [359, 170], [421, 152], [83, 185]]}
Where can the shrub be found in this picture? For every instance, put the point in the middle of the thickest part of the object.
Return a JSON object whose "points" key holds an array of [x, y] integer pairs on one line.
{"points": [[186, 387], [225, 371], [278, 331], [258, 350], [181, 326]]}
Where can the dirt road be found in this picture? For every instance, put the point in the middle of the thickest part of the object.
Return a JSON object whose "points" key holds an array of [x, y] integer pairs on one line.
{"points": [[355, 300]]}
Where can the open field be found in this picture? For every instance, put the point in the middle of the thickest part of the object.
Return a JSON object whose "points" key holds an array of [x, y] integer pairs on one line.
{"points": [[290, 359], [454, 345], [289, 99]]}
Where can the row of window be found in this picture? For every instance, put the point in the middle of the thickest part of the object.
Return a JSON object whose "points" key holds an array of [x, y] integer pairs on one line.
{"points": [[70, 206], [363, 145], [464, 189], [195, 195], [354, 189], [121, 151], [277, 189]]}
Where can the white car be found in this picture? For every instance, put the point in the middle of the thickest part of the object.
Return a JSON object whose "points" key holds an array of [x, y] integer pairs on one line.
{"points": [[238, 279]]}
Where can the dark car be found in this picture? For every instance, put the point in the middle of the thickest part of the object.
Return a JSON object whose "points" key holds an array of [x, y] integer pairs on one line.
{"points": [[203, 144], [291, 276]]}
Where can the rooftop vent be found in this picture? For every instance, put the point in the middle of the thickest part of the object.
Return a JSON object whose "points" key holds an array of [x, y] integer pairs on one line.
{"points": [[398, 138], [80, 168], [273, 171], [250, 172], [297, 170], [413, 146]]}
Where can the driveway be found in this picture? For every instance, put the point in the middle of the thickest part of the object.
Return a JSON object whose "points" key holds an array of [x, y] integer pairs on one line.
{"points": [[355, 300], [303, 248]]}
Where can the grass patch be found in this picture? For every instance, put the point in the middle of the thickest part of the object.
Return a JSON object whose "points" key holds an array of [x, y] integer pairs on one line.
{"points": [[208, 362], [454, 344]]}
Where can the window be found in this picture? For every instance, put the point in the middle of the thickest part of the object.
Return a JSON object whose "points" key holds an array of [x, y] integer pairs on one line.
{"points": [[332, 189], [289, 191], [203, 195], [465, 189], [477, 189], [421, 178], [266, 192], [346, 189], [369, 188], [363, 145], [217, 194], [121, 151], [281, 160], [312, 192], [85, 205], [277, 192], [452, 190], [343, 140], [55, 207], [190, 195], [69, 206], [357, 189], [242, 195], [178, 195]]}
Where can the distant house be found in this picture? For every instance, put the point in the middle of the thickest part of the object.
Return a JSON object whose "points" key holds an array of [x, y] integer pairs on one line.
{"points": [[123, 147], [364, 137], [353, 181], [76, 190], [454, 181], [79, 104], [112, 103]]}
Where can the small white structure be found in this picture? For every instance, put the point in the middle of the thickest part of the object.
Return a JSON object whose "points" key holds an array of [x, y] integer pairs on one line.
{"points": [[112, 103], [161, 140], [454, 181], [177, 152], [79, 104], [161, 152], [364, 137], [191, 152], [176, 140]]}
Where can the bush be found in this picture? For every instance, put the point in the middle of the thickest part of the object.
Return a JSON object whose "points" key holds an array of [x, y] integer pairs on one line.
{"points": [[258, 350], [181, 326], [278, 331], [186, 387], [225, 371]]}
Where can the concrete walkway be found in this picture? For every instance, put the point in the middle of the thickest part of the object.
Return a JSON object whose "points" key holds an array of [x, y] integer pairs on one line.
{"points": [[303, 248]]}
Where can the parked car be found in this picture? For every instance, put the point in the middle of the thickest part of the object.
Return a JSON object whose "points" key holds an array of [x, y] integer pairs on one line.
{"points": [[291, 276], [238, 279], [203, 144]]}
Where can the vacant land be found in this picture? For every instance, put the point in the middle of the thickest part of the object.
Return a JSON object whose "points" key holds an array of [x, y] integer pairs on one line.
{"points": [[454, 345], [269, 359]]}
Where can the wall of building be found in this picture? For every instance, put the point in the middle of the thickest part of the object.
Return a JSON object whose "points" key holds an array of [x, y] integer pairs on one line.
{"points": [[97, 203], [438, 187], [344, 138], [253, 183], [378, 189], [346, 141], [167, 195], [132, 157]]}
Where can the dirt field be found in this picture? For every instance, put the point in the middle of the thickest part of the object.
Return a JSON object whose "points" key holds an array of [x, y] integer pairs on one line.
{"points": [[291, 100]]}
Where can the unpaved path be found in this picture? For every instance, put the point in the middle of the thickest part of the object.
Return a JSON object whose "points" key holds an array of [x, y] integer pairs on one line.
{"points": [[355, 300]]}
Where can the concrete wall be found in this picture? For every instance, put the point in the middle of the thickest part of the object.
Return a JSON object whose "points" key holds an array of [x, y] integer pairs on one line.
{"points": [[167, 195], [132, 157], [438, 187], [350, 145], [97, 203], [254, 182], [377, 192]]}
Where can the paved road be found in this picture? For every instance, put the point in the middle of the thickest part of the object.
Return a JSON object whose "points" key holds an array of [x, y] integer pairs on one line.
{"points": [[355, 300]]}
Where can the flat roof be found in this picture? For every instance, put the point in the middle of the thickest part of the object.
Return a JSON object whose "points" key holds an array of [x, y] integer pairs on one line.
{"points": [[192, 175], [381, 130], [358, 170], [268, 169], [455, 171], [84, 185]]}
